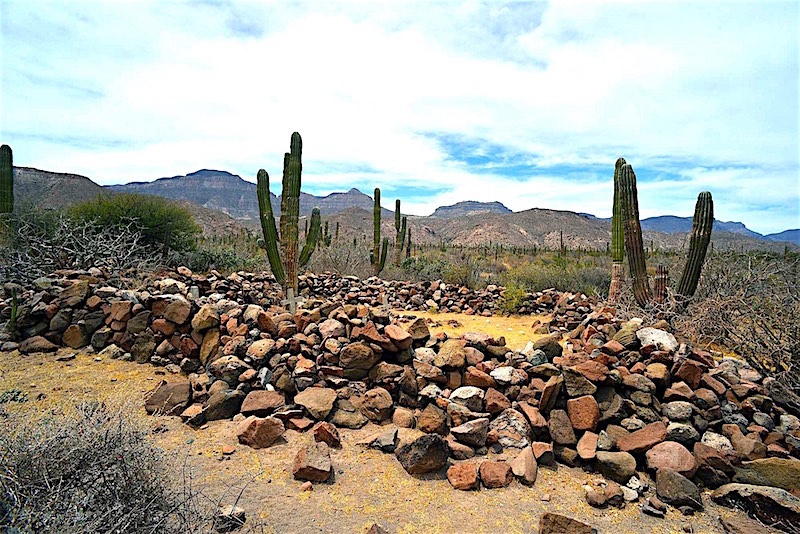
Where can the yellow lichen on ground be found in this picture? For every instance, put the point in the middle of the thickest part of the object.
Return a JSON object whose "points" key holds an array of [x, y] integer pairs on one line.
{"points": [[516, 328]]}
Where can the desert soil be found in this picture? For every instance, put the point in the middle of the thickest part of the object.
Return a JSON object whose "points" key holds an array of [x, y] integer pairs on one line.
{"points": [[369, 487]]}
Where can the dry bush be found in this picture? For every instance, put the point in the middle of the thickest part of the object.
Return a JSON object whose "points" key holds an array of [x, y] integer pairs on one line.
{"points": [[94, 468], [41, 242], [746, 302], [344, 258]]}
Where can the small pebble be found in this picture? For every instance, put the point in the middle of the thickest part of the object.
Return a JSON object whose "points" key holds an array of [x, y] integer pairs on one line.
{"points": [[306, 486]]}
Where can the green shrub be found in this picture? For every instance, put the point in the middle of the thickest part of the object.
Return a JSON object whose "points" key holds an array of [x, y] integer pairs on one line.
{"points": [[560, 274], [513, 298], [154, 217]]}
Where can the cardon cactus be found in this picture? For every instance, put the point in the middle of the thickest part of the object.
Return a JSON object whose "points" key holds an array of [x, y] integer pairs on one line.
{"points": [[6, 180], [377, 256], [283, 250], [633, 236], [400, 224], [408, 242], [617, 238], [702, 224]]}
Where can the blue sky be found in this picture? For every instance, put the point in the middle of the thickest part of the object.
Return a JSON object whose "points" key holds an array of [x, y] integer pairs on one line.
{"points": [[434, 102]]}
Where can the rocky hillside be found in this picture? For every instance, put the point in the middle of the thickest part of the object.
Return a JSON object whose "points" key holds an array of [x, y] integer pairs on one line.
{"points": [[793, 236], [45, 189], [229, 193], [469, 207], [51, 189]]}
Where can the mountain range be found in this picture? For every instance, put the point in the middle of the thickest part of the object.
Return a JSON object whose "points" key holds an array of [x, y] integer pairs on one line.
{"points": [[223, 202]]}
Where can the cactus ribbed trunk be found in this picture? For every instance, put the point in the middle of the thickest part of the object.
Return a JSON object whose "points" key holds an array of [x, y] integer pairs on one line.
{"points": [[702, 224], [336, 235], [634, 247], [408, 242], [400, 223], [312, 238], [617, 238], [378, 255], [271, 239], [290, 209], [661, 284], [6, 180]]}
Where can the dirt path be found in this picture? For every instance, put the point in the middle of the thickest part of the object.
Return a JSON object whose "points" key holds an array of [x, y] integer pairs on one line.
{"points": [[516, 329]]}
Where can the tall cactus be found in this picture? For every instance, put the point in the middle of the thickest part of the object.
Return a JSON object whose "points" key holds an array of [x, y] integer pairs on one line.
{"points": [[633, 235], [617, 238], [408, 242], [661, 284], [6, 180], [378, 255], [282, 250], [400, 229], [702, 224]]}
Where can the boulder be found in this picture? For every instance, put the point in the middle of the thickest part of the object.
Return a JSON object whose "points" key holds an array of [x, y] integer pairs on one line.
{"points": [[313, 463], [661, 339], [262, 403], [259, 433], [560, 427], [425, 454], [169, 398], [317, 401], [781, 473], [376, 404], [618, 466], [584, 413], [463, 476], [495, 474], [524, 466], [451, 355], [677, 490], [643, 439], [469, 396], [511, 428], [773, 506], [36, 344], [472, 433], [671, 455], [327, 433], [550, 345]]}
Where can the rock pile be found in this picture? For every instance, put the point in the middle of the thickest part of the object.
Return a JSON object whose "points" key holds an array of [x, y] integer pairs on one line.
{"points": [[612, 397]]}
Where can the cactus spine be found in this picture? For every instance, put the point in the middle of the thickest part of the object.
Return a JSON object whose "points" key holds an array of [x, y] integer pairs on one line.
{"points": [[702, 224], [633, 236], [378, 256], [6, 180], [617, 238], [282, 250]]}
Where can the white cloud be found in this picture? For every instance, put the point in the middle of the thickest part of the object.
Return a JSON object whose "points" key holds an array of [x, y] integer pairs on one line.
{"points": [[706, 94]]}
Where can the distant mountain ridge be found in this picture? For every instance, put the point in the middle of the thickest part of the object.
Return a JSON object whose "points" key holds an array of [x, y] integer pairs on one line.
{"points": [[469, 207], [229, 193]]}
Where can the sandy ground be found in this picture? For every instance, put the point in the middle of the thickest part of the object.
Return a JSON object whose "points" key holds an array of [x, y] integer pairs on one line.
{"points": [[369, 486]]}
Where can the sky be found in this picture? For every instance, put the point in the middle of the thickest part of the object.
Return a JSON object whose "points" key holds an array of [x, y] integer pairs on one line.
{"points": [[529, 104]]}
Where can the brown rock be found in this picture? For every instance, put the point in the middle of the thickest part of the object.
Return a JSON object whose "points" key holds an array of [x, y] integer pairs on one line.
{"points": [[36, 344], [496, 402], [433, 420], [690, 372], [313, 463], [524, 466], [496, 474], [561, 428], [317, 401], [399, 337], [587, 446], [262, 403], [376, 404], [169, 398], [259, 433], [558, 524], [327, 433]]}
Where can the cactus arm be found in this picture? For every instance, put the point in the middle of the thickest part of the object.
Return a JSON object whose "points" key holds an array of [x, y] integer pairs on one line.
{"points": [[384, 253], [6, 180], [661, 284], [634, 247], [311, 240], [268, 227], [702, 224]]}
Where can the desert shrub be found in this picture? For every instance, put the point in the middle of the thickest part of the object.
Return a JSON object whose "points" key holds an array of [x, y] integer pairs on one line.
{"points": [[513, 299], [154, 217], [422, 268], [88, 469], [344, 258], [466, 271], [558, 273], [42, 241]]}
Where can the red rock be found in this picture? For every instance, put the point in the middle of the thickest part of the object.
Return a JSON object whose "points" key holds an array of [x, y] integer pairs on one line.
{"points": [[671, 455], [301, 424], [613, 348], [463, 476], [477, 378], [496, 474], [587, 446], [584, 412], [642, 440], [592, 370], [399, 337], [313, 463], [524, 466]]}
